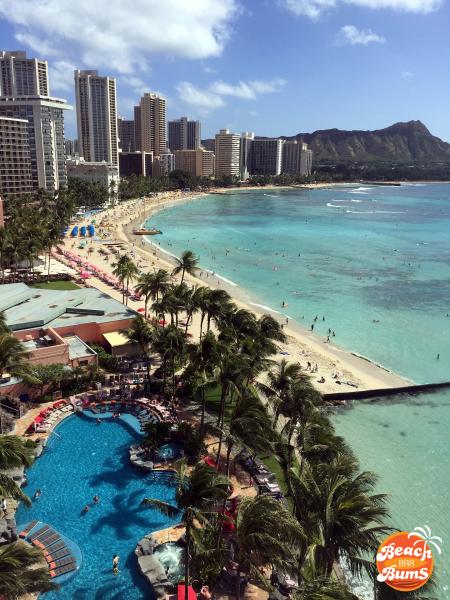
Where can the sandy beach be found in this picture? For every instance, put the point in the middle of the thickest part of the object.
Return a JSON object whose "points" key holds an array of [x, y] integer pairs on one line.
{"points": [[117, 224]]}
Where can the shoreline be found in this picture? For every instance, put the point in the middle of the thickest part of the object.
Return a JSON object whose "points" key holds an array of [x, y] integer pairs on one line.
{"points": [[302, 346]]}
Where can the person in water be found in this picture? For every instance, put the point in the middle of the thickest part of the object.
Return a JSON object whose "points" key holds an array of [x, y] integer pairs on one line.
{"points": [[86, 509], [37, 494], [96, 499]]}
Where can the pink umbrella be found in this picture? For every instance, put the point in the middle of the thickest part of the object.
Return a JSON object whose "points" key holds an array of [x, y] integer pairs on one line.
{"points": [[85, 275]]}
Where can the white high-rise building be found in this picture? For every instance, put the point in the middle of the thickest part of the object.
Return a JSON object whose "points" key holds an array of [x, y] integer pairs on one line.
{"points": [[246, 145], [24, 94], [96, 117], [22, 76], [150, 124], [297, 158], [227, 153]]}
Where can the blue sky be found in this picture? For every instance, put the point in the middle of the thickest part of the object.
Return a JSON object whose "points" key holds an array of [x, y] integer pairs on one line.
{"points": [[276, 67]]}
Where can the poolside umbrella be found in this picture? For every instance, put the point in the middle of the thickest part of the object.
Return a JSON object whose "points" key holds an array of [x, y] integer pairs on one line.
{"points": [[85, 275], [141, 310]]}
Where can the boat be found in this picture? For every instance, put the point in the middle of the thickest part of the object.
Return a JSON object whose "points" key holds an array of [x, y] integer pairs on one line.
{"points": [[152, 231]]}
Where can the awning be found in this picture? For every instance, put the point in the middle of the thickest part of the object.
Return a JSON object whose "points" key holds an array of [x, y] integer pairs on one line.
{"points": [[116, 338]]}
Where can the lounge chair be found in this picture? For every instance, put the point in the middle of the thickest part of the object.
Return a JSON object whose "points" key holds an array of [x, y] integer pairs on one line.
{"points": [[28, 528], [64, 551], [39, 532], [43, 543], [62, 570], [62, 562]]}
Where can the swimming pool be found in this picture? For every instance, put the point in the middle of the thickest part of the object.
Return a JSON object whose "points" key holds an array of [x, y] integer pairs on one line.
{"points": [[82, 460], [169, 451]]}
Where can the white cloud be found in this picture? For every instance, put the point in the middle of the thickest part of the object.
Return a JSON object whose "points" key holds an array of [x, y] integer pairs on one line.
{"points": [[349, 35], [212, 96], [202, 100], [315, 8], [248, 90], [122, 35], [61, 76], [37, 44], [209, 70]]}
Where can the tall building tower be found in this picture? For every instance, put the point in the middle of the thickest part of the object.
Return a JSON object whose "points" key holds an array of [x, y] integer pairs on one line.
{"points": [[22, 76], [125, 128], [24, 94], [96, 116], [246, 145], [265, 157], [297, 159], [184, 134], [15, 164], [227, 153], [150, 124]]}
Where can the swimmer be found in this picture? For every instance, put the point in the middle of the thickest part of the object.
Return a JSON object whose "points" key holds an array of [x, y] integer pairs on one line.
{"points": [[438, 356], [116, 559], [37, 494], [115, 570], [96, 499], [86, 509]]}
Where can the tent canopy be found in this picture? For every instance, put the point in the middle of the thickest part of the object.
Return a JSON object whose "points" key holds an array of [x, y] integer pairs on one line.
{"points": [[116, 338]]}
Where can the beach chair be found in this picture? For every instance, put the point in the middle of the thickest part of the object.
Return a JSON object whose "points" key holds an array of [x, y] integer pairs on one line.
{"points": [[53, 548], [28, 528], [62, 570], [61, 562], [56, 555], [43, 543], [39, 532]]}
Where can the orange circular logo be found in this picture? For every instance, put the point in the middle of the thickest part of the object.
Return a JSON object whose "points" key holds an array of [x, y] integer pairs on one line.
{"points": [[404, 560]]}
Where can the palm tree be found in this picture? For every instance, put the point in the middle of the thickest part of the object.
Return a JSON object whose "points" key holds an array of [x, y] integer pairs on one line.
{"points": [[13, 453], [340, 514], [170, 343], [265, 535], [249, 425], [323, 588], [279, 382], [150, 285], [13, 355], [203, 358], [125, 270], [196, 495], [187, 263], [142, 334], [23, 571]]}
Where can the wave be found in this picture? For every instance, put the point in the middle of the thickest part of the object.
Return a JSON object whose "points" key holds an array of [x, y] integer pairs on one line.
{"points": [[335, 205], [377, 212], [355, 200], [160, 248], [226, 280], [270, 195], [264, 307]]}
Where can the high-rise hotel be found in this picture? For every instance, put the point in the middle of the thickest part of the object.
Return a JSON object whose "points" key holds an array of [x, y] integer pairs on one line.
{"points": [[150, 124], [96, 117], [25, 96], [227, 151]]}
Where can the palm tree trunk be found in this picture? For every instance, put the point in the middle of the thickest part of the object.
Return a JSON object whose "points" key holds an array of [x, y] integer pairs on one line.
{"points": [[201, 324], [238, 583], [229, 448], [128, 284], [49, 255], [182, 279]]}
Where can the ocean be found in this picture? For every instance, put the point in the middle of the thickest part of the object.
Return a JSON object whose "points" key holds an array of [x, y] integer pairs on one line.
{"points": [[374, 261]]}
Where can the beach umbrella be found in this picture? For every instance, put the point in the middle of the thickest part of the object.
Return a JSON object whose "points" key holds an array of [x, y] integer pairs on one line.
{"points": [[141, 310]]}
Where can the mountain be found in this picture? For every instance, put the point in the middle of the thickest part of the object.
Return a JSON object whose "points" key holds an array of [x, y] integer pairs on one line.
{"points": [[409, 142]]}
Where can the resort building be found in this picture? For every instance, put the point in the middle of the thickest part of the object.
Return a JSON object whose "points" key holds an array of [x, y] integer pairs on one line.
{"points": [[163, 164], [45, 117], [265, 157], [106, 174], [150, 124], [96, 116], [22, 76], [199, 163], [184, 134], [135, 163], [15, 164], [45, 320], [246, 145], [227, 151], [297, 159], [127, 141]]}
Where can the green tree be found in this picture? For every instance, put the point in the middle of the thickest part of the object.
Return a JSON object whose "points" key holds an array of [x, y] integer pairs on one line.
{"points": [[13, 453], [13, 355], [187, 263], [265, 535], [196, 495], [142, 334], [125, 270], [23, 571]]}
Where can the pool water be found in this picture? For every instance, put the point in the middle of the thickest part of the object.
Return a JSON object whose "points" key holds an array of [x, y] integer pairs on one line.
{"points": [[169, 451], [83, 459], [170, 555]]}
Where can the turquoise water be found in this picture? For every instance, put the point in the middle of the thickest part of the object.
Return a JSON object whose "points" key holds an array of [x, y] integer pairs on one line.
{"points": [[354, 255], [83, 460]]}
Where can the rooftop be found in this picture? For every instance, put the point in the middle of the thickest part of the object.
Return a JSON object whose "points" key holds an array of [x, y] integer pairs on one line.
{"points": [[26, 307]]}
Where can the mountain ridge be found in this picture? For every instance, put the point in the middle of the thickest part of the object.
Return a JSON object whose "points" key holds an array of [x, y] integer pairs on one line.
{"points": [[401, 142]]}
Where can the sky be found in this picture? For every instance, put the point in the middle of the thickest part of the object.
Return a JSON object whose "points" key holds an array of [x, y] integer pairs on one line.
{"points": [[275, 67]]}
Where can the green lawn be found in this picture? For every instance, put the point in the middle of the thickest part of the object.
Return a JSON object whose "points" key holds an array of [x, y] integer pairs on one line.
{"points": [[56, 285]]}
